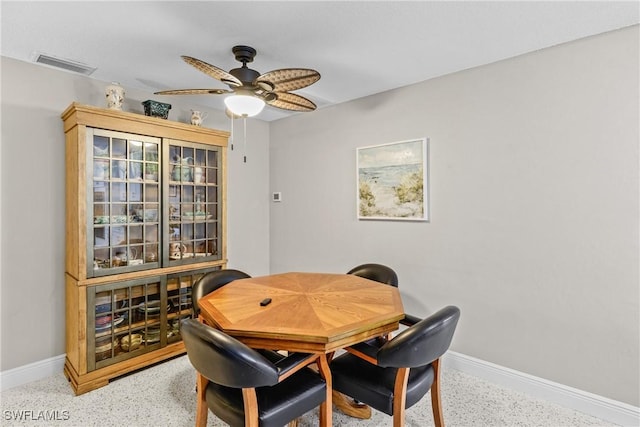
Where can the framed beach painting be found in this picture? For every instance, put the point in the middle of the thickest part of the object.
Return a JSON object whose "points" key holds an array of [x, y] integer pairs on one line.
{"points": [[393, 181]]}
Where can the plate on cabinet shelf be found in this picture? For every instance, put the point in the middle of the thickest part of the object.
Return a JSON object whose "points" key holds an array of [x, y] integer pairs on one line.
{"points": [[103, 303], [197, 216], [105, 322], [152, 336], [103, 300], [152, 307], [105, 345], [121, 219], [101, 219], [190, 255]]}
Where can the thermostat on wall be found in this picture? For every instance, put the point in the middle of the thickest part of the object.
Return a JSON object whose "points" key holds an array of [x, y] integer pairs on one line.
{"points": [[277, 197]]}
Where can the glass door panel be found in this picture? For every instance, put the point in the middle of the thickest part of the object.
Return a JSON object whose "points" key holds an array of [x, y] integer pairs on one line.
{"points": [[124, 202], [127, 321], [179, 288], [192, 202]]}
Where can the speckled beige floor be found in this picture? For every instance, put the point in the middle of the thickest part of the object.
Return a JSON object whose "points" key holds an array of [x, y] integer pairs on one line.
{"points": [[164, 395]]}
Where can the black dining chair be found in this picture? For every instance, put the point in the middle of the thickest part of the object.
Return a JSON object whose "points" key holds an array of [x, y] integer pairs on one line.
{"points": [[212, 281], [377, 272], [397, 375], [242, 387]]}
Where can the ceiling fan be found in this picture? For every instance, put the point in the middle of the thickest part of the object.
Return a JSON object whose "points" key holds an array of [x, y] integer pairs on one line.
{"points": [[247, 85]]}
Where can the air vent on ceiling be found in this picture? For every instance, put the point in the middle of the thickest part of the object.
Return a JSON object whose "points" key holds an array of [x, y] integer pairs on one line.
{"points": [[65, 64]]}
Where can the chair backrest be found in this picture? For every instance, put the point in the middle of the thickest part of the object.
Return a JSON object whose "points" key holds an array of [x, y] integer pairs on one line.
{"points": [[378, 272], [212, 281], [223, 359], [421, 343]]}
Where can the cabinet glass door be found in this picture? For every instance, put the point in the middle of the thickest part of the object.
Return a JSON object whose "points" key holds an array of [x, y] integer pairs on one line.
{"points": [[179, 293], [126, 319], [192, 203], [123, 202]]}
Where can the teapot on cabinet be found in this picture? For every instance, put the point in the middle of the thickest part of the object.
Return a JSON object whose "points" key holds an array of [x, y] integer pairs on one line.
{"points": [[197, 117], [183, 170]]}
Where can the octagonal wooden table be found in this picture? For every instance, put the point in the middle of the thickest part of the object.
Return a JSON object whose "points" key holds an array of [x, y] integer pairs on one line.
{"points": [[308, 312]]}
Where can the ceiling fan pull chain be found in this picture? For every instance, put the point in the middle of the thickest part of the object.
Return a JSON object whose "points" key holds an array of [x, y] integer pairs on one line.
{"points": [[232, 133], [244, 120]]}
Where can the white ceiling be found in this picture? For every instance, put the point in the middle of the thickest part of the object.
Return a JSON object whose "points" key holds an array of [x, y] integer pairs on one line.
{"points": [[359, 47]]}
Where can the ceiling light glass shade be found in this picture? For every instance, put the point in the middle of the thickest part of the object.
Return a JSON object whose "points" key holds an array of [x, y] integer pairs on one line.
{"points": [[244, 105]]}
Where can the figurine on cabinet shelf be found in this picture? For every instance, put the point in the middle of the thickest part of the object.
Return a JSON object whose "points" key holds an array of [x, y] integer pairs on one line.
{"points": [[115, 96], [197, 117]]}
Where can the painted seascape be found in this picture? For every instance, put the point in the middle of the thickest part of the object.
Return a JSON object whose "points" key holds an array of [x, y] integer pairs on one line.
{"points": [[391, 181]]}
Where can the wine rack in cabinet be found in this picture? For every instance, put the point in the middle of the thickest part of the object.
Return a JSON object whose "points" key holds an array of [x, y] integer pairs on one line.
{"points": [[145, 218]]}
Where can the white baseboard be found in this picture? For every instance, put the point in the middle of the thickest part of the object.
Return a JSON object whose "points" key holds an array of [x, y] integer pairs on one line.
{"points": [[31, 372], [568, 397]]}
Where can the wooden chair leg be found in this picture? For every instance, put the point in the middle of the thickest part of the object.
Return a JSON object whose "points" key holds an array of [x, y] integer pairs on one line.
{"points": [[250, 407], [400, 396], [201, 403], [436, 401]]}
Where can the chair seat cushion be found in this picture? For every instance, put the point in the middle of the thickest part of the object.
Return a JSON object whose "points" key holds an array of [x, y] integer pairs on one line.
{"points": [[277, 405], [373, 385]]}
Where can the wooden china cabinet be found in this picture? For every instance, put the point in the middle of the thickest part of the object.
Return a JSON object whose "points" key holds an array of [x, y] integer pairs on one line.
{"points": [[145, 218]]}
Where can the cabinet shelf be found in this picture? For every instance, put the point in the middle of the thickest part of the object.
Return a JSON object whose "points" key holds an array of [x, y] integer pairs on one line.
{"points": [[124, 329], [178, 314]]}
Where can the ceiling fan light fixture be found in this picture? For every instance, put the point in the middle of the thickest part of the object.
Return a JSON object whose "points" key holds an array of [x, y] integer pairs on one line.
{"points": [[244, 105]]}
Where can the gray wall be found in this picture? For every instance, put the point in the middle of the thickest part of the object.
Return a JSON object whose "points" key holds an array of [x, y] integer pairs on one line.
{"points": [[534, 207], [32, 208]]}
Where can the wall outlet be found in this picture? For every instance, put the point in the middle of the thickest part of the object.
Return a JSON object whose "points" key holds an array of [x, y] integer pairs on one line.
{"points": [[277, 196]]}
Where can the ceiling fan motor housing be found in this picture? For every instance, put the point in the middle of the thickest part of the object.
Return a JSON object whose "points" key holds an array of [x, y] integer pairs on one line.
{"points": [[245, 75]]}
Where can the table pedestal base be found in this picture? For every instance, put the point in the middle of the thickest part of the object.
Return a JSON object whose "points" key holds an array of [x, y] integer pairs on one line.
{"points": [[349, 407]]}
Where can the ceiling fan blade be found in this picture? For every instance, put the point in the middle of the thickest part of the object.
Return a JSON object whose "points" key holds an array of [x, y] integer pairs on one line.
{"points": [[287, 79], [213, 71], [193, 92], [291, 101]]}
